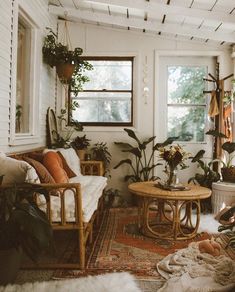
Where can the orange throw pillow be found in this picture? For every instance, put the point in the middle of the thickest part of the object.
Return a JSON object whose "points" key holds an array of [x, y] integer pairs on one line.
{"points": [[66, 167], [54, 165]]}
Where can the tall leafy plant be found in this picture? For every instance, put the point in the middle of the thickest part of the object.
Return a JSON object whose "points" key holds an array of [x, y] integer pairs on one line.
{"points": [[141, 164]]}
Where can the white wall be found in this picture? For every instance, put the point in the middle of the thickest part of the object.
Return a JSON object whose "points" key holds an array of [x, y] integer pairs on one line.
{"points": [[98, 41], [38, 11]]}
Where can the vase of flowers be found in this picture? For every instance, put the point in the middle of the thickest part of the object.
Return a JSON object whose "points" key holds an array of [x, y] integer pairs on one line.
{"points": [[174, 157]]}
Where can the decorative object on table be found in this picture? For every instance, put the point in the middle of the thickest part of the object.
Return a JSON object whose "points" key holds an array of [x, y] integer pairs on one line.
{"points": [[101, 152], [23, 227], [174, 157], [80, 144], [228, 169], [142, 165], [69, 65]]}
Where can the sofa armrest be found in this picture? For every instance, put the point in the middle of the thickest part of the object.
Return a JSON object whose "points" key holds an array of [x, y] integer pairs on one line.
{"points": [[92, 167]]}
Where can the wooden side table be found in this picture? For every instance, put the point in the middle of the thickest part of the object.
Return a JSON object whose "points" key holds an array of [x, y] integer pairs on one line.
{"points": [[172, 218], [92, 167]]}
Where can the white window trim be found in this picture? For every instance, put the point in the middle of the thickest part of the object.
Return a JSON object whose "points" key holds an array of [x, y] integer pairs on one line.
{"points": [[33, 136], [158, 130]]}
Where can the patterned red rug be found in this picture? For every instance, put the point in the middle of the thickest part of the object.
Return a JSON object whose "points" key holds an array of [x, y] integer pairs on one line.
{"points": [[120, 246]]}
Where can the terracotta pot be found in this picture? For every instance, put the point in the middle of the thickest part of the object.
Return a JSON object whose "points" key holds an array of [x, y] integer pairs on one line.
{"points": [[65, 71], [81, 154], [228, 174], [10, 260]]}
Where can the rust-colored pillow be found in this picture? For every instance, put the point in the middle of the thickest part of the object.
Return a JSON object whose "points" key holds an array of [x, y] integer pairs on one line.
{"points": [[36, 156], [53, 163], [42, 172], [66, 167]]}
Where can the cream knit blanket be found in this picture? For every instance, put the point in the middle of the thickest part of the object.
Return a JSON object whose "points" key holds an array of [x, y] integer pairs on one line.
{"points": [[189, 265]]}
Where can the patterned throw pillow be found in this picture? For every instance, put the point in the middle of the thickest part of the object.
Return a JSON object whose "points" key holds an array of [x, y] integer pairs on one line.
{"points": [[43, 173]]}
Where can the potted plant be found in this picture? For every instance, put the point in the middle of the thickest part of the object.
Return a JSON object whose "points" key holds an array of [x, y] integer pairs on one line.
{"points": [[80, 144], [23, 228], [100, 152], [228, 169], [142, 166], [69, 65]]}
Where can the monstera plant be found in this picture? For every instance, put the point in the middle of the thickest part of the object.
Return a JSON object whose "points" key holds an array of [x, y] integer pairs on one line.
{"points": [[142, 164]]}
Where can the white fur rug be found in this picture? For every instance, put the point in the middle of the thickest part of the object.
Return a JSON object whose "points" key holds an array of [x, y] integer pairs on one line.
{"points": [[208, 224], [112, 282]]}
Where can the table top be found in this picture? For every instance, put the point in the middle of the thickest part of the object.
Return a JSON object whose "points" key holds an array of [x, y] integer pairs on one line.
{"points": [[149, 189]]}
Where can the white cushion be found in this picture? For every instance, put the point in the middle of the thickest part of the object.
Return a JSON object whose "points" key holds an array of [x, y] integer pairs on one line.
{"points": [[91, 188], [71, 158], [17, 171]]}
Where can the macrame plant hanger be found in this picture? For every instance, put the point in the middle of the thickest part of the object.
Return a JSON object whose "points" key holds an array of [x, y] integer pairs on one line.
{"points": [[219, 93], [65, 70]]}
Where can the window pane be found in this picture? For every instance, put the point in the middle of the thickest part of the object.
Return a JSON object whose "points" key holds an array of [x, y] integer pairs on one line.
{"points": [[98, 110], [109, 75], [22, 87], [187, 123], [186, 84]]}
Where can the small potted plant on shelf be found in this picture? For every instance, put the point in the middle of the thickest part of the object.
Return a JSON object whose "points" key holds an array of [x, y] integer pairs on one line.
{"points": [[69, 65], [23, 228], [80, 144], [100, 152]]}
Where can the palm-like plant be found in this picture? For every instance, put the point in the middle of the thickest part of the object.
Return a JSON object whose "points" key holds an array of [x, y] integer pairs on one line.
{"points": [[142, 165]]}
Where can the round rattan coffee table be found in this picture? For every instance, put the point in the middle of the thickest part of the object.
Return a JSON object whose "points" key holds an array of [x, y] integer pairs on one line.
{"points": [[168, 214]]}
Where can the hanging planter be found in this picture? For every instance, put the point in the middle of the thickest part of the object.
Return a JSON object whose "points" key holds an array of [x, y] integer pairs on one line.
{"points": [[69, 65], [65, 72]]}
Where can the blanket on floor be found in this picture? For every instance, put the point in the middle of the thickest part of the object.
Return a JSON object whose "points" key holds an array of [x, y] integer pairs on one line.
{"points": [[190, 270]]}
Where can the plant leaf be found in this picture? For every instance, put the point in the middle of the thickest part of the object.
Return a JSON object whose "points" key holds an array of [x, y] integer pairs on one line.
{"points": [[125, 161], [216, 134], [132, 134], [198, 156], [229, 147], [168, 141]]}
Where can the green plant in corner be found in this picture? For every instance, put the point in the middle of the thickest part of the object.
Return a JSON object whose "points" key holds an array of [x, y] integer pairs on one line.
{"points": [[208, 175], [142, 165], [100, 152], [80, 142]]}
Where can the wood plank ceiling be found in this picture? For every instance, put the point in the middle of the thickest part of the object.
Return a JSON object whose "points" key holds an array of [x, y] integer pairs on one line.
{"points": [[211, 21]]}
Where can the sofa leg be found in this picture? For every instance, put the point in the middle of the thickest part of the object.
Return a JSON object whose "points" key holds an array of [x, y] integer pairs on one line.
{"points": [[82, 252]]}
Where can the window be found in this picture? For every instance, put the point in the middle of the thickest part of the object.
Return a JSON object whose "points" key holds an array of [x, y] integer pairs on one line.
{"points": [[25, 81], [107, 99], [22, 78], [186, 103]]}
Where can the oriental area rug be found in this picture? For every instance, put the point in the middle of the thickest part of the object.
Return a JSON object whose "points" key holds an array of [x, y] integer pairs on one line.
{"points": [[120, 246]]}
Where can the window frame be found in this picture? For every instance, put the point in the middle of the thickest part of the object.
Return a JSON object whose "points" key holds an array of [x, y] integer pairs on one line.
{"points": [[107, 124], [33, 135]]}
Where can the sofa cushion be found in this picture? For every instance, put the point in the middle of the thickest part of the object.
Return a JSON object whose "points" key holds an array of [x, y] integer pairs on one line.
{"points": [[66, 167], [17, 171], [43, 174], [91, 189], [53, 163], [72, 159]]}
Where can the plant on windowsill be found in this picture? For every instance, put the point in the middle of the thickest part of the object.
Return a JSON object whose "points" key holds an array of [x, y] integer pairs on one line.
{"points": [[23, 227], [142, 165], [80, 144], [69, 65]]}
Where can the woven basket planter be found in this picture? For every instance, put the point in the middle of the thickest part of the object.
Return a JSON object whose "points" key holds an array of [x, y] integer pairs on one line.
{"points": [[228, 174]]}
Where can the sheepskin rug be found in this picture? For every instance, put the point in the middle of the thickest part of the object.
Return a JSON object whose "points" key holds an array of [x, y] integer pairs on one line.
{"points": [[114, 282]]}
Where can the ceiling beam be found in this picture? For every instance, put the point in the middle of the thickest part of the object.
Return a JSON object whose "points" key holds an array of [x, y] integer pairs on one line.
{"points": [[151, 7], [153, 26]]}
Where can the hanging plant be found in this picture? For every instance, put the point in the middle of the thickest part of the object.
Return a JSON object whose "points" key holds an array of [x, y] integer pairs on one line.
{"points": [[69, 65]]}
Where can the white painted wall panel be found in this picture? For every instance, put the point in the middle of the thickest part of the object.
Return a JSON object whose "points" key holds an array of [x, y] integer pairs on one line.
{"points": [[38, 11]]}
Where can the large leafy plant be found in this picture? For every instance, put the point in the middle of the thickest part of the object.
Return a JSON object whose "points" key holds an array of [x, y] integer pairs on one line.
{"points": [[101, 152], [142, 164], [22, 223], [208, 175]]}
